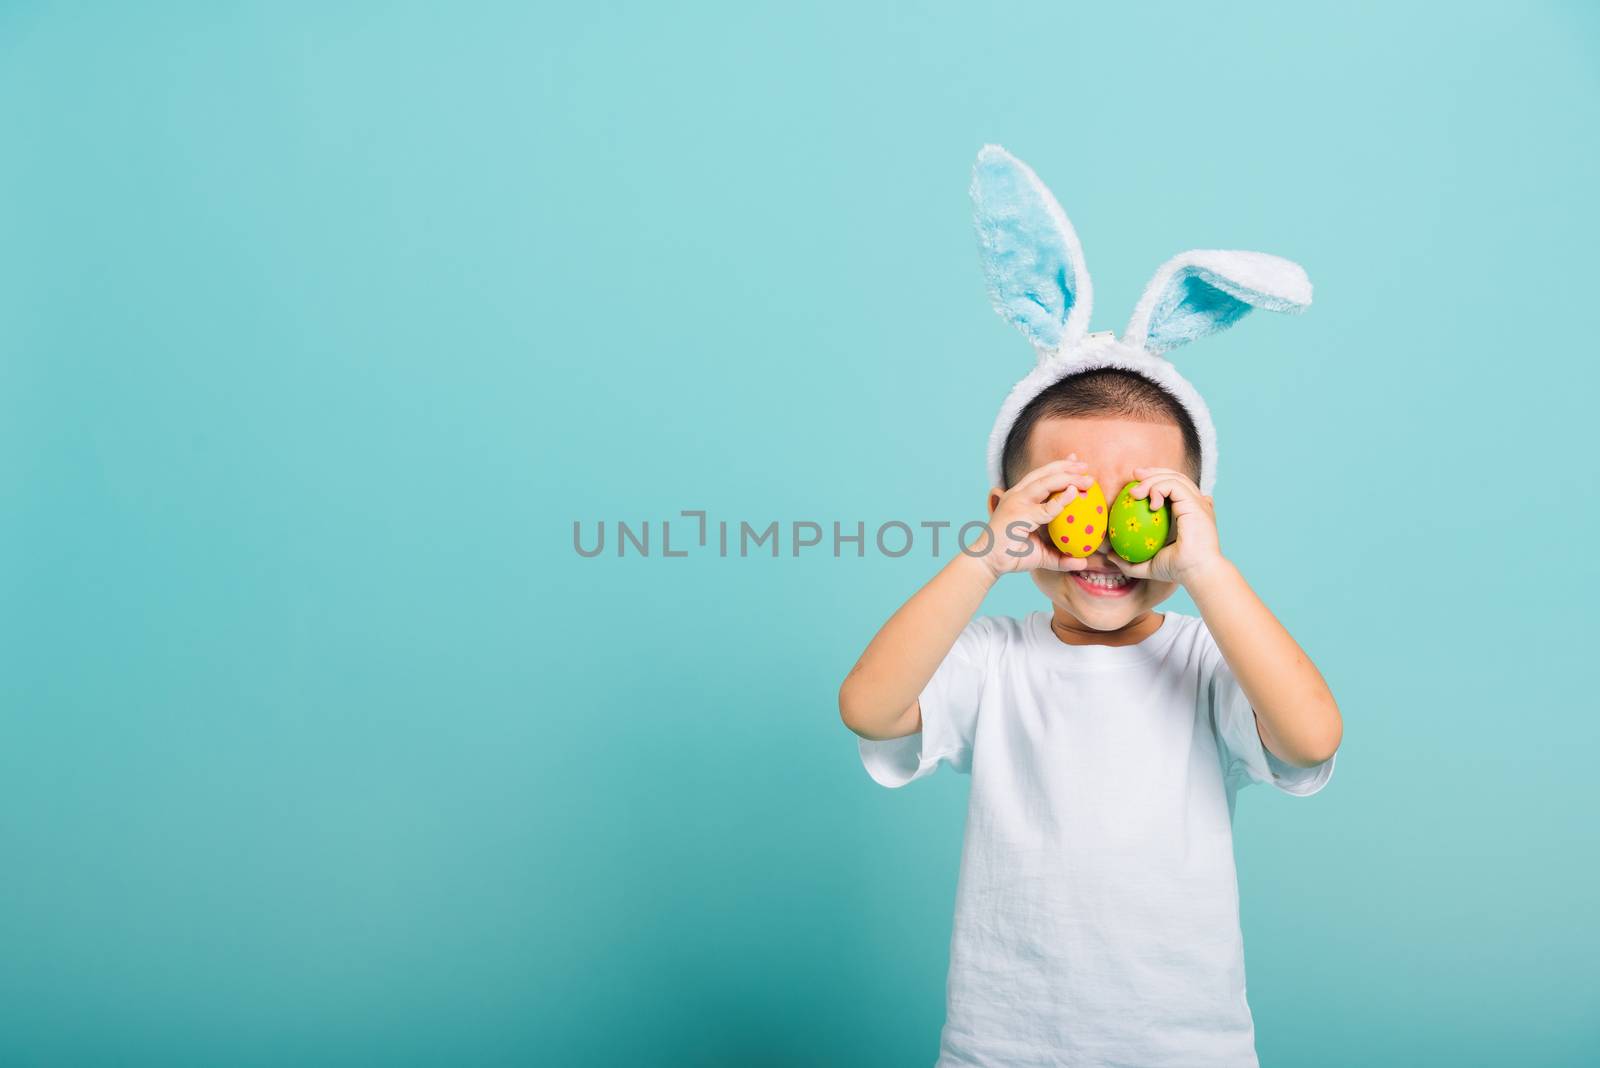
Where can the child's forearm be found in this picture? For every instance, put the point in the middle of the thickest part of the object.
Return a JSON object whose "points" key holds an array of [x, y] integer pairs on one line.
{"points": [[879, 696], [1296, 715]]}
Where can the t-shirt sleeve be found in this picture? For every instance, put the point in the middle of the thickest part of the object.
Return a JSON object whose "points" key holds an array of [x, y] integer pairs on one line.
{"points": [[1245, 758], [949, 714]]}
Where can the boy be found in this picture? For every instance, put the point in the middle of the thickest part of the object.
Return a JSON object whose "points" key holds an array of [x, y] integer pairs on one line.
{"points": [[1097, 913]]}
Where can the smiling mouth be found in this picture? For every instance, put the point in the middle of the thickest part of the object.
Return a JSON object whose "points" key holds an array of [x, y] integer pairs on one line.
{"points": [[1104, 583]]}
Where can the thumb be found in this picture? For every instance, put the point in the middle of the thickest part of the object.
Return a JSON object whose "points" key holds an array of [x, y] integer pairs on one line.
{"points": [[1052, 558], [1138, 571]]}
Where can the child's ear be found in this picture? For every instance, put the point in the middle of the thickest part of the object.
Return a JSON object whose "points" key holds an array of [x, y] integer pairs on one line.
{"points": [[1031, 258], [994, 498], [1201, 292]]}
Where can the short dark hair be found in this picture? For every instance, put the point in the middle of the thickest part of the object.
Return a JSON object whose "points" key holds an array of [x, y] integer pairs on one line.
{"points": [[1106, 391]]}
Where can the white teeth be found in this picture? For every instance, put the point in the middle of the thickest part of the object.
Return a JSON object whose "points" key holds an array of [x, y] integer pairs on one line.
{"points": [[1110, 581]]}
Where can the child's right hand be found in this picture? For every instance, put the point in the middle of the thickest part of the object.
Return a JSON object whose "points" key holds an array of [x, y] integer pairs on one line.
{"points": [[1015, 518]]}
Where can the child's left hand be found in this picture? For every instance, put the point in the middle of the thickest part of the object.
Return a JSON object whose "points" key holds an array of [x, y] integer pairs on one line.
{"points": [[1195, 547]]}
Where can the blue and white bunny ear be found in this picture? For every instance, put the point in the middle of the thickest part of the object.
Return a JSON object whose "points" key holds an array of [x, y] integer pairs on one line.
{"points": [[1198, 293], [1031, 257]]}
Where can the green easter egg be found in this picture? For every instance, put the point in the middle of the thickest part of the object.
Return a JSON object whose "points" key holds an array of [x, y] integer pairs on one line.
{"points": [[1137, 533]]}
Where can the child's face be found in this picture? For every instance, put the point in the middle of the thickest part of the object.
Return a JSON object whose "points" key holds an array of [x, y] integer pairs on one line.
{"points": [[1112, 447]]}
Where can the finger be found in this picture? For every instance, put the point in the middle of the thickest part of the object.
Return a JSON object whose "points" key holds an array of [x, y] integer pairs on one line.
{"points": [[1053, 559], [1044, 482], [1187, 505], [1149, 489], [1147, 474], [1059, 480], [1054, 503], [1138, 571], [1169, 486], [1165, 493], [1054, 465], [1163, 475], [1043, 486], [1151, 474]]}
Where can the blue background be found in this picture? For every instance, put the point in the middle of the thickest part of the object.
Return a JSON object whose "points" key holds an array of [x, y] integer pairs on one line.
{"points": [[320, 326]]}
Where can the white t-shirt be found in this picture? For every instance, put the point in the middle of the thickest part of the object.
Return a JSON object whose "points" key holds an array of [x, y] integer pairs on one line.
{"points": [[1097, 909]]}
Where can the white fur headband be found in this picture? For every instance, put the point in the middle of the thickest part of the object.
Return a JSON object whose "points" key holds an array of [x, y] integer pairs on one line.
{"points": [[1038, 282]]}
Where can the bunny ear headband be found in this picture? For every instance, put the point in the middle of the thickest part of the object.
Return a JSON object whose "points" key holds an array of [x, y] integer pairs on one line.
{"points": [[1038, 282]]}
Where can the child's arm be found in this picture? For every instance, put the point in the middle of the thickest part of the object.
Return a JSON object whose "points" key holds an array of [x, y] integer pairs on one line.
{"points": [[878, 699], [1296, 714]]}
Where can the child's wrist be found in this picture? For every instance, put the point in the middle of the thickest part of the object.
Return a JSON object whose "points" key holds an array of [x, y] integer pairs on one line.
{"points": [[978, 566], [1203, 577]]}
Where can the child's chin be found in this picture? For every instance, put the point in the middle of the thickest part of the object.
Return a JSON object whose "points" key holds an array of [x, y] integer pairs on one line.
{"points": [[1103, 616]]}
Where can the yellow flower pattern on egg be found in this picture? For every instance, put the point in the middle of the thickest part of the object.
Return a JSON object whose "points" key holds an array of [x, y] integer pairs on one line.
{"points": [[1137, 533], [1080, 527]]}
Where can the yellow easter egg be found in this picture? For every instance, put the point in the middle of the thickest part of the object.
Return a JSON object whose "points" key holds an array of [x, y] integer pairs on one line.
{"points": [[1080, 527]]}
